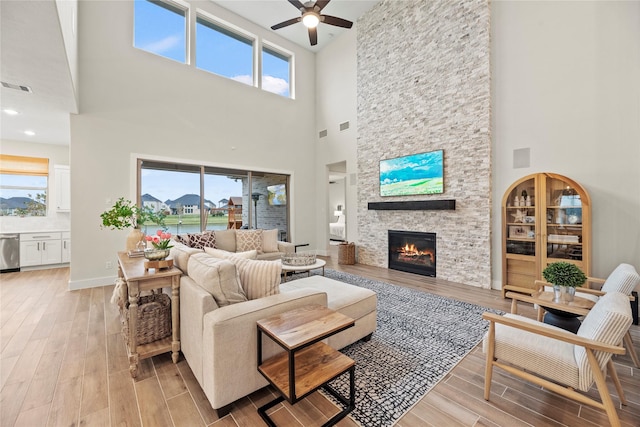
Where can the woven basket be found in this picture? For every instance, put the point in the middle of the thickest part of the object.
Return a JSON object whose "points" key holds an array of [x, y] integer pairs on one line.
{"points": [[154, 319], [347, 253]]}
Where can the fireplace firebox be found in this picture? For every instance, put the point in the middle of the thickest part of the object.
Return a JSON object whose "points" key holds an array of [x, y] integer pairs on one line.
{"points": [[413, 252]]}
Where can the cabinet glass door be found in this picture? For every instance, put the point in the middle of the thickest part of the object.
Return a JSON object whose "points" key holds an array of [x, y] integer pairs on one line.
{"points": [[520, 219], [564, 236]]}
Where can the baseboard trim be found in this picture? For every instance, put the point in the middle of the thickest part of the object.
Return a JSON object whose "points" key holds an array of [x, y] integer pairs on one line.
{"points": [[97, 282]]}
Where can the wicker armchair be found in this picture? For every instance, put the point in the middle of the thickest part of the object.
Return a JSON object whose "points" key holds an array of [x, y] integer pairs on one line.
{"points": [[558, 360]]}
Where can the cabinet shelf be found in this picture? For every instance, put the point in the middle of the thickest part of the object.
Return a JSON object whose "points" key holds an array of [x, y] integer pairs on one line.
{"points": [[559, 229]]}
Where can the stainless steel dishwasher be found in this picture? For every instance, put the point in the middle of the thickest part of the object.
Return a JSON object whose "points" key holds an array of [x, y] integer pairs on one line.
{"points": [[9, 252]]}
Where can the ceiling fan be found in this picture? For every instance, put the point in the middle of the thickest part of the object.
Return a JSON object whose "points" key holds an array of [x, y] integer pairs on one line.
{"points": [[311, 17]]}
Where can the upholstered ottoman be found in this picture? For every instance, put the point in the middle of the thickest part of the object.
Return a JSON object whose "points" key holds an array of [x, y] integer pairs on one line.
{"points": [[358, 303]]}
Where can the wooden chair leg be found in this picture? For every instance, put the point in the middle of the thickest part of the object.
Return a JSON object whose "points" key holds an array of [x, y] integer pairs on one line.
{"points": [[540, 313], [488, 368], [616, 381], [607, 402], [628, 343]]}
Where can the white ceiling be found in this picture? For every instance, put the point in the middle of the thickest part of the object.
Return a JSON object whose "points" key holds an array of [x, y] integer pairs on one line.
{"points": [[32, 54]]}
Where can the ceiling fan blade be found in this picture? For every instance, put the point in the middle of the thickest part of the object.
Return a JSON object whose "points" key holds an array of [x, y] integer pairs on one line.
{"points": [[321, 4], [297, 5], [286, 23], [338, 22], [313, 36]]}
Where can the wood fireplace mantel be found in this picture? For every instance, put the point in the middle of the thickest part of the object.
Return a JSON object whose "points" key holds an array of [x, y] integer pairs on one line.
{"points": [[418, 205]]}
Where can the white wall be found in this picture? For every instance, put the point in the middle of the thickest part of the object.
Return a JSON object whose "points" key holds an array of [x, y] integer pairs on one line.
{"points": [[133, 102], [336, 102], [57, 155], [566, 84]]}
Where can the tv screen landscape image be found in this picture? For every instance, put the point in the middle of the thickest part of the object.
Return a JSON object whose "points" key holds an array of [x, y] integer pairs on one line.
{"points": [[277, 194], [412, 175]]}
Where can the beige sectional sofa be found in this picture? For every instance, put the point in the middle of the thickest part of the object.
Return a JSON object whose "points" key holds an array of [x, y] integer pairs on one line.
{"points": [[265, 242], [218, 328]]}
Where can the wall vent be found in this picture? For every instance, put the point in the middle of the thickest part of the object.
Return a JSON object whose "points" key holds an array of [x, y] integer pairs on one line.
{"points": [[322, 133], [17, 87], [344, 126]]}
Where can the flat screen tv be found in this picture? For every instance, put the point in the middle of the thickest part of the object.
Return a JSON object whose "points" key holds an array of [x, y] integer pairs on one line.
{"points": [[277, 194], [414, 174]]}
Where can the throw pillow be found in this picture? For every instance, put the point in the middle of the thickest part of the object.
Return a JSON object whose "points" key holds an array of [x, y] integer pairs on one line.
{"points": [[206, 239], [182, 238], [219, 253], [217, 276], [258, 278], [181, 253], [226, 240], [247, 240], [270, 240]]}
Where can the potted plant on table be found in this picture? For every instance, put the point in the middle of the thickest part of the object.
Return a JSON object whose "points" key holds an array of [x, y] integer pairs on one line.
{"points": [[125, 214], [565, 278]]}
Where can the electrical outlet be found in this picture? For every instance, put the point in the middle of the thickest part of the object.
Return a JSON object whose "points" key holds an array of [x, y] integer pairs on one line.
{"points": [[108, 265]]}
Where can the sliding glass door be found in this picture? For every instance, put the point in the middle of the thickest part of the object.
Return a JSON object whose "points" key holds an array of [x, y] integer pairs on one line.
{"points": [[197, 197]]}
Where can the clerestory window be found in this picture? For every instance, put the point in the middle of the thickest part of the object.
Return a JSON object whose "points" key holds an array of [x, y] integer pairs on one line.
{"points": [[160, 27], [223, 51]]}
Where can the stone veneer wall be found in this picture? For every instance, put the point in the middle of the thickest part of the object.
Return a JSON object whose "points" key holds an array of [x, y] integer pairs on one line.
{"points": [[424, 84]]}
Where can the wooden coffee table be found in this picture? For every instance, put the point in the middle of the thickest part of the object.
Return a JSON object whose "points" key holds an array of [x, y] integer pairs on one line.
{"points": [[307, 363]]}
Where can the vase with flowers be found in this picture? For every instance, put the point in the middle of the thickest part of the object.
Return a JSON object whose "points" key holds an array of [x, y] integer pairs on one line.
{"points": [[161, 243]]}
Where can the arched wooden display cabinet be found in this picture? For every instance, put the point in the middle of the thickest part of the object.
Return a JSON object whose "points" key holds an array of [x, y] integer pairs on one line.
{"points": [[546, 218]]}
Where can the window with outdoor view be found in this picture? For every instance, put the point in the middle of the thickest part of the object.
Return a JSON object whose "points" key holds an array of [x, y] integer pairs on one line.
{"points": [[197, 197], [160, 27], [276, 71], [224, 52], [23, 185]]}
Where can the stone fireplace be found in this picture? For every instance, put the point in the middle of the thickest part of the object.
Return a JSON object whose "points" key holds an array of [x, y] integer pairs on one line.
{"points": [[413, 252]]}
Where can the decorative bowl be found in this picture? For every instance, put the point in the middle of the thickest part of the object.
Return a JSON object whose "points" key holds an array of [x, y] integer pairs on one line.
{"points": [[153, 254], [299, 259]]}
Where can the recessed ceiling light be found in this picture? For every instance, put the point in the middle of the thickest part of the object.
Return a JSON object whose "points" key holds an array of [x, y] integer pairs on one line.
{"points": [[29, 132], [10, 112]]}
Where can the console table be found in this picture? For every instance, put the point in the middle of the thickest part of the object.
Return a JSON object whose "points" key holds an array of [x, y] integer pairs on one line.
{"points": [[139, 279], [307, 363]]}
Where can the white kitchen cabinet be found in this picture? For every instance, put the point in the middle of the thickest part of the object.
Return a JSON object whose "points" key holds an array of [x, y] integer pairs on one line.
{"points": [[63, 188], [40, 249], [66, 247]]}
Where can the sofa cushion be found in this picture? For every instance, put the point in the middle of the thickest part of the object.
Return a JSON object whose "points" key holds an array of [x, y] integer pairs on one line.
{"points": [[217, 276], [247, 240], [350, 300], [219, 253], [270, 240], [181, 253], [258, 278], [226, 240]]}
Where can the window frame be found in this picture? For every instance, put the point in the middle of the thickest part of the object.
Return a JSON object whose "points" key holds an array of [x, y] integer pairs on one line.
{"points": [[174, 6], [233, 31], [277, 51], [27, 166]]}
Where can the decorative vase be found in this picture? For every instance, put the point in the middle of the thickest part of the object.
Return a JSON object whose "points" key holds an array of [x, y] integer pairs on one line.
{"points": [[153, 254], [133, 238], [563, 293]]}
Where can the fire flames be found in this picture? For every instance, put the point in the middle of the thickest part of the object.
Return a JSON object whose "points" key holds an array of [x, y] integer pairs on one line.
{"points": [[409, 253]]}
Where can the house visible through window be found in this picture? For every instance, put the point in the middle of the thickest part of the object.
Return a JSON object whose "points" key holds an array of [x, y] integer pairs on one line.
{"points": [[23, 185], [198, 197], [160, 27]]}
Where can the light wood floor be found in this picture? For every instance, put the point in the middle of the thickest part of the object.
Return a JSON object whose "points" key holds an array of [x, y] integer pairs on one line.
{"points": [[63, 363]]}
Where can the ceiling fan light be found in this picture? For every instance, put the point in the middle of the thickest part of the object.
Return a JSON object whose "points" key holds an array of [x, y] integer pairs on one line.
{"points": [[310, 20]]}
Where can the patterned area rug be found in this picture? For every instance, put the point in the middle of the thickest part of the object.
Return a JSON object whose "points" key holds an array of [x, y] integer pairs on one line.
{"points": [[420, 337]]}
